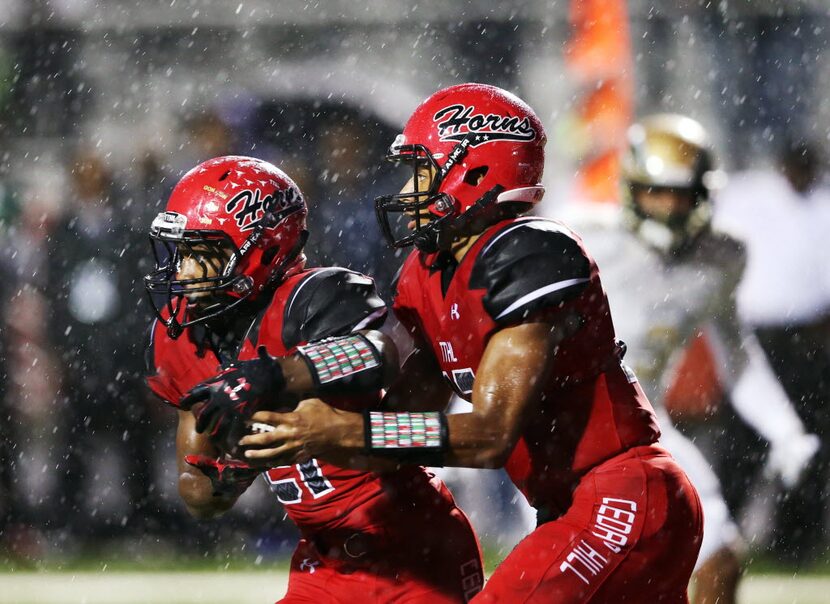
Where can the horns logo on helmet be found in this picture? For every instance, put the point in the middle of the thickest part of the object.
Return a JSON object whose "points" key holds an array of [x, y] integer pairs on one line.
{"points": [[278, 205], [458, 122]]}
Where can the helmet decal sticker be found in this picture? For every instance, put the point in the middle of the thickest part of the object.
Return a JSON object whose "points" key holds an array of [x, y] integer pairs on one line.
{"points": [[253, 208], [458, 153], [458, 122], [215, 191]]}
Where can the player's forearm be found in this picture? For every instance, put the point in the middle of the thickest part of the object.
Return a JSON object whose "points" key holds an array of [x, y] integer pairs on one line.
{"points": [[470, 441], [196, 488], [380, 441], [509, 383], [476, 442], [314, 370], [507, 387], [197, 493]]}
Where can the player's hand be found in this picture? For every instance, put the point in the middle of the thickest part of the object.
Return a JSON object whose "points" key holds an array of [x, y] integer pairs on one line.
{"points": [[222, 404], [789, 459], [228, 477], [313, 429]]}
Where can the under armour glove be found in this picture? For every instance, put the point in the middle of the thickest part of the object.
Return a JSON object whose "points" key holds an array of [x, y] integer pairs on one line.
{"points": [[228, 477], [223, 404]]}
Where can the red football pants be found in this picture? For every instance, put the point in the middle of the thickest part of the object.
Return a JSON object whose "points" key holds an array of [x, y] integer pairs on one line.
{"points": [[429, 554], [632, 534]]}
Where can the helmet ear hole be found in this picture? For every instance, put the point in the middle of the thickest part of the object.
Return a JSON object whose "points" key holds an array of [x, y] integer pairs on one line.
{"points": [[474, 176]]}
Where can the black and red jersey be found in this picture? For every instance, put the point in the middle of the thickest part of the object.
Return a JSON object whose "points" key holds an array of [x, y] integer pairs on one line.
{"points": [[308, 306], [519, 270]]}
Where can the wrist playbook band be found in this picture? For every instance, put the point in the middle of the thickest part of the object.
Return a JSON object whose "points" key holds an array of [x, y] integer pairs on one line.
{"points": [[344, 363], [416, 437]]}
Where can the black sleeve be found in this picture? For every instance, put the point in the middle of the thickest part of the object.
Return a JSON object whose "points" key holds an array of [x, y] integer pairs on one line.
{"points": [[528, 267], [331, 302]]}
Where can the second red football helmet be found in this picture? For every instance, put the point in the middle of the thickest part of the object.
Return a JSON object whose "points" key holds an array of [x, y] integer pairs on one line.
{"points": [[242, 220], [485, 146]]}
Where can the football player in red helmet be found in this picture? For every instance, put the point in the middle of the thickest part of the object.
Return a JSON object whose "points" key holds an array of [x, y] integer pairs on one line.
{"points": [[509, 313], [231, 287], [469, 162], [213, 232]]}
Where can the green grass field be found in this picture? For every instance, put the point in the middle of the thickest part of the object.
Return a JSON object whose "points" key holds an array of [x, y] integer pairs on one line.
{"points": [[125, 575], [266, 586]]}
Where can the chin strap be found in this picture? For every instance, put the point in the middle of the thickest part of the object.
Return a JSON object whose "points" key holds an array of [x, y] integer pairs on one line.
{"points": [[427, 238], [481, 210], [436, 233]]}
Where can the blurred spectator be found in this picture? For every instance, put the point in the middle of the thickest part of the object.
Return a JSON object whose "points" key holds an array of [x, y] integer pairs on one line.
{"points": [[148, 190], [8, 210], [30, 381], [784, 219], [94, 292], [209, 135], [344, 229], [202, 135]]}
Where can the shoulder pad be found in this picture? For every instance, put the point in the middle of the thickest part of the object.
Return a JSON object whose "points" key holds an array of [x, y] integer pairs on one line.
{"points": [[331, 302], [528, 266]]}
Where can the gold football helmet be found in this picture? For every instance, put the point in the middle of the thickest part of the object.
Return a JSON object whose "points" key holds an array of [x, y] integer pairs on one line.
{"points": [[670, 153]]}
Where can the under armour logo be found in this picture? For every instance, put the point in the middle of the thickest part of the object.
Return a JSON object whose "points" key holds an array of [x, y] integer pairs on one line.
{"points": [[309, 564], [233, 393], [454, 315]]}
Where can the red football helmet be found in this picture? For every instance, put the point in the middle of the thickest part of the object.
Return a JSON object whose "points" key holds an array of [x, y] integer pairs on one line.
{"points": [[242, 220], [486, 148]]}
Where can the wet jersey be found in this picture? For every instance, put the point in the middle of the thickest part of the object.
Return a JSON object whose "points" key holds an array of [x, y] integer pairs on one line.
{"points": [[518, 270], [308, 306]]}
